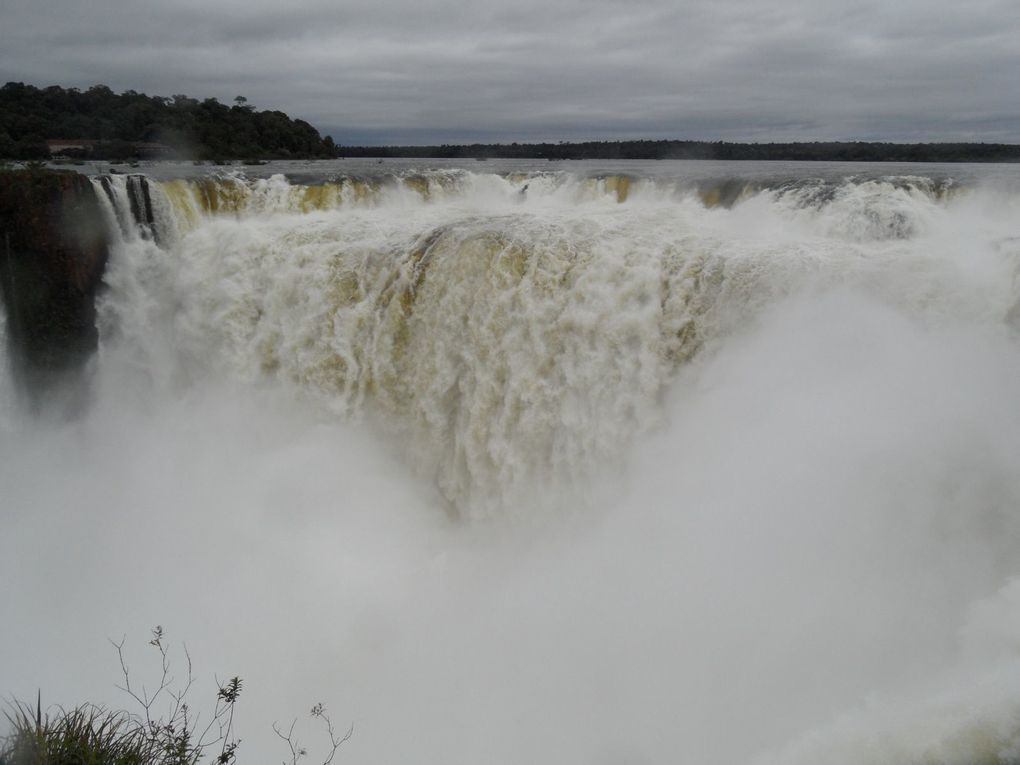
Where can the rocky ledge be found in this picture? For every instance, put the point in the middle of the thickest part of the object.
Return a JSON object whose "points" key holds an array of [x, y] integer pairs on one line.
{"points": [[53, 249]]}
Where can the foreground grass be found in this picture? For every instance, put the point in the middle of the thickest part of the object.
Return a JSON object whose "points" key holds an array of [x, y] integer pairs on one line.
{"points": [[85, 735]]}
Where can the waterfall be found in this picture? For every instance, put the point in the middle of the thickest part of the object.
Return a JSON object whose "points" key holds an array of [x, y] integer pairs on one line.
{"points": [[510, 340]]}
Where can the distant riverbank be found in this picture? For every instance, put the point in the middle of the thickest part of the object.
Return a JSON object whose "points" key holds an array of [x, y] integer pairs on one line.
{"points": [[829, 151]]}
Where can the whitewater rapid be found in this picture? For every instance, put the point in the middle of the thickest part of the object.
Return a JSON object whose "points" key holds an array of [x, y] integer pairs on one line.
{"points": [[547, 466]]}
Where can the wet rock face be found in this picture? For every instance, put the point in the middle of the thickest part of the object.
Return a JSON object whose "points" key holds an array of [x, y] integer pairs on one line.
{"points": [[53, 249]]}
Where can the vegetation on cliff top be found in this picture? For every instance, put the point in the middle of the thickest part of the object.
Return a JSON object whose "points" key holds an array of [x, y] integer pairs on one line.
{"points": [[132, 123]]}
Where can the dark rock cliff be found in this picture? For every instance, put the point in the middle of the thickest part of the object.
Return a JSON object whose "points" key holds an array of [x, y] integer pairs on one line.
{"points": [[53, 249]]}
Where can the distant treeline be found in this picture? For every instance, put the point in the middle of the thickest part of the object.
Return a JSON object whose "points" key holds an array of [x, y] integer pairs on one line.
{"points": [[819, 151], [133, 124]]}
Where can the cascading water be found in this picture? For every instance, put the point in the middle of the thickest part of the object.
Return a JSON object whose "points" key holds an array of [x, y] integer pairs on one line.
{"points": [[733, 462]]}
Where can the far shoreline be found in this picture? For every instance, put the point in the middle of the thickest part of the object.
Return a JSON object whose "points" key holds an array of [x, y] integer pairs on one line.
{"points": [[816, 151]]}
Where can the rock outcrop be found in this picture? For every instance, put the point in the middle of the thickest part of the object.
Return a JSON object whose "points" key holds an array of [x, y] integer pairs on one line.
{"points": [[53, 250]]}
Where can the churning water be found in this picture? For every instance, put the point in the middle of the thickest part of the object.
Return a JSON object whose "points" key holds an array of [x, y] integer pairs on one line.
{"points": [[530, 466]]}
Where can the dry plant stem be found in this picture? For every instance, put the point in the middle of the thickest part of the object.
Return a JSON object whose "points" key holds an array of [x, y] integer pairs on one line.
{"points": [[179, 730], [297, 751]]}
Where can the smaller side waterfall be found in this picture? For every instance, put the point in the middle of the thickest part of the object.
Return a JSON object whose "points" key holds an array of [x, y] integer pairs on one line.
{"points": [[129, 202]]}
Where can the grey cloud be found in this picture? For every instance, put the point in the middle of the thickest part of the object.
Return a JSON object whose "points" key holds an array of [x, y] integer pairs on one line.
{"points": [[530, 70]]}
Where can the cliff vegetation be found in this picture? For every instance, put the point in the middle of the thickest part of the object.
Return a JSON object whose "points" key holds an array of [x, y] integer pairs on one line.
{"points": [[101, 124]]}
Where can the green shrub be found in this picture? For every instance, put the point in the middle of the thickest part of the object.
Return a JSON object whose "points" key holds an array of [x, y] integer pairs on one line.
{"points": [[94, 735], [90, 734]]}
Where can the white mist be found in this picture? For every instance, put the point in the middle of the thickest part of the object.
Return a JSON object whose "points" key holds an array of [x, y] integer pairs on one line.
{"points": [[801, 551]]}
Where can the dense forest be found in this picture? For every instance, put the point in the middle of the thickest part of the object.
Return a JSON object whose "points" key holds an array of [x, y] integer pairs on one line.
{"points": [[133, 124], [832, 151]]}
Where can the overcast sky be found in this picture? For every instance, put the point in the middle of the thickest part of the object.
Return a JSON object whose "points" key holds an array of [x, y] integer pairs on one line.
{"points": [[424, 71]]}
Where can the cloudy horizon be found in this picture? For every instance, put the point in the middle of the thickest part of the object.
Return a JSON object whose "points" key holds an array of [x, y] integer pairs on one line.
{"points": [[396, 72]]}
